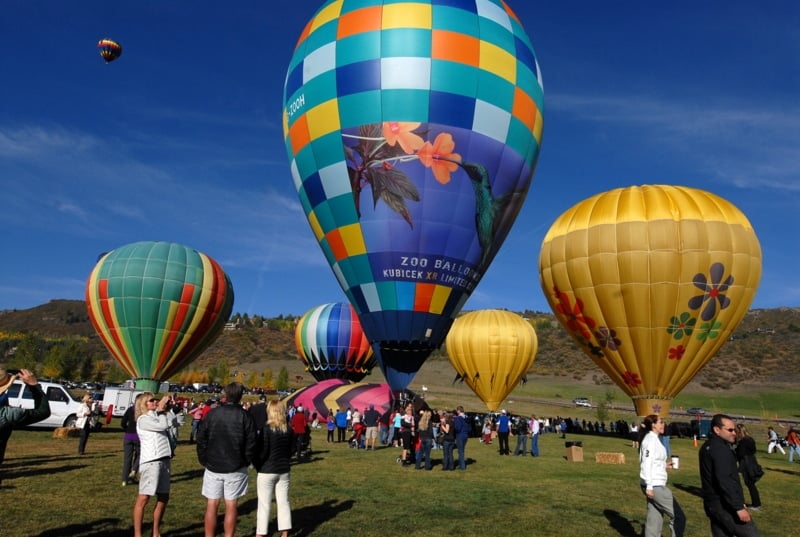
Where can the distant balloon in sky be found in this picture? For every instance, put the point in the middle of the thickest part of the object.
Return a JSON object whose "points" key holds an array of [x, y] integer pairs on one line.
{"points": [[157, 306], [331, 343], [491, 350], [109, 50], [413, 130], [651, 281]]}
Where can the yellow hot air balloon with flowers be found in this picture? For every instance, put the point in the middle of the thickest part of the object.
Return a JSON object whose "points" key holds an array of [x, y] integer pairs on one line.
{"points": [[651, 281]]}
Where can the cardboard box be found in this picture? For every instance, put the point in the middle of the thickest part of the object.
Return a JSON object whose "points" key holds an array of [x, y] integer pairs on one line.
{"points": [[575, 454]]}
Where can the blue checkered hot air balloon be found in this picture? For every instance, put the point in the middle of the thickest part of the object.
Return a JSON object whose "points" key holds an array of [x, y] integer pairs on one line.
{"points": [[413, 130]]}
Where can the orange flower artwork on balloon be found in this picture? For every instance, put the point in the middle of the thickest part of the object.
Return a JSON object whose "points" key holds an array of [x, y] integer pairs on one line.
{"points": [[439, 157], [400, 132], [372, 161]]}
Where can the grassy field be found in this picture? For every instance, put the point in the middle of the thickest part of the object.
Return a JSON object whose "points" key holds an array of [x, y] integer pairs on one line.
{"points": [[48, 491]]}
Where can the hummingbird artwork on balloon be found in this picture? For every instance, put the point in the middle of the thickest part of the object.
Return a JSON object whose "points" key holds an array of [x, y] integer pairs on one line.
{"points": [[489, 210]]}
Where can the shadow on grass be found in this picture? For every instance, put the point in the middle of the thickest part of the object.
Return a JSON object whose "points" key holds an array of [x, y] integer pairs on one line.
{"points": [[691, 489], [21, 474], [784, 470], [190, 475], [107, 527], [621, 525], [306, 520]]}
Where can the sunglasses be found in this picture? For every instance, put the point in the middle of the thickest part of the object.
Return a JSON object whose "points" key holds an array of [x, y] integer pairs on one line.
{"points": [[152, 400]]}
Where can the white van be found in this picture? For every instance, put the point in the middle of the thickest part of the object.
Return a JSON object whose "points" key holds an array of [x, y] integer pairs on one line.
{"points": [[63, 407]]}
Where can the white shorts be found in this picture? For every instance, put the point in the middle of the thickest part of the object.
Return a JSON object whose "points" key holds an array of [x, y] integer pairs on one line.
{"points": [[230, 486], [154, 477]]}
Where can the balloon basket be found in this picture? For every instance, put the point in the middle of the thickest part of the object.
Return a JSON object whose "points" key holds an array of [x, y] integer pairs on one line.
{"points": [[147, 385], [652, 405]]}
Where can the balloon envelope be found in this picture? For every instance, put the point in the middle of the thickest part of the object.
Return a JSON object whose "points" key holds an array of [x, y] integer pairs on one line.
{"points": [[651, 281], [413, 130], [491, 350], [333, 394], [331, 343], [157, 306], [109, 50]]}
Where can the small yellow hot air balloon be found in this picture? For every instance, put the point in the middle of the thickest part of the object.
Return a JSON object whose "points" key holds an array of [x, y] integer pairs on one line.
{"points": [[651, 281], [491, 350]]}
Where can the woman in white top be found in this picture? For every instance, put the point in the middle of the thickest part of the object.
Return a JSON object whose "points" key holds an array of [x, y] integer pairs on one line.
{"points": [[653, 466], [84, 421], [155, 425]]}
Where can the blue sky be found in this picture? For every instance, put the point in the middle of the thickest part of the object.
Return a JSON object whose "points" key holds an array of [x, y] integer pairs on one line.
{"points": [[180, 139]]}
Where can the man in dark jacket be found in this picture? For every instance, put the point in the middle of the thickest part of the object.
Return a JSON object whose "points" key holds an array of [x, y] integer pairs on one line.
{"points": [[723, 498], [226, 442], [462, 428], [11, 417]]}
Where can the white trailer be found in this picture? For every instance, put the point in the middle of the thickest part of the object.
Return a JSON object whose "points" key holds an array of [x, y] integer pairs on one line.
{"points": [[120, 397]]}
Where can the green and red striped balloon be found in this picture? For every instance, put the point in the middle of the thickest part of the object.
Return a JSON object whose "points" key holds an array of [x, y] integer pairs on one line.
{"points": [[157, 306]]}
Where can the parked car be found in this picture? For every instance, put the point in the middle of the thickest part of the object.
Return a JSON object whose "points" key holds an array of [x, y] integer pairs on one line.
{"points": [[63, 407], [582, 401], [695, 410]]}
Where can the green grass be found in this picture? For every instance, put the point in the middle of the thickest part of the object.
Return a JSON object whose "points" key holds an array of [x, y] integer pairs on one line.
{"points": [[49, 491]]}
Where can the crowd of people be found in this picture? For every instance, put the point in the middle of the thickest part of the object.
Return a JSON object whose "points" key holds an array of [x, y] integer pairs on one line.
{"points": [[232, 437], [267, 436]]}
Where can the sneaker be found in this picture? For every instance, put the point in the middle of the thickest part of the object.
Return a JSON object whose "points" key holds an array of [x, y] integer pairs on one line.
{"points": [[754, 508]]}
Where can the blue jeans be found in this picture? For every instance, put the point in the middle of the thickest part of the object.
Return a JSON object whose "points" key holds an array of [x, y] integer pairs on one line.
{"points": [[193, 433], [461, 445], [792, 450], [447, 457], [522, 444], [424, 452], [383, 435], [535, 445]]}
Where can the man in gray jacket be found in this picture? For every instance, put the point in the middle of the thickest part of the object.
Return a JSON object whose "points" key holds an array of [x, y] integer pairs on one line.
{"points": [[226, 442]]}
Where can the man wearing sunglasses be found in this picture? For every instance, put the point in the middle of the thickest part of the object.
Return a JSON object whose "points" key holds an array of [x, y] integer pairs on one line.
{"points": [[723, 498]]}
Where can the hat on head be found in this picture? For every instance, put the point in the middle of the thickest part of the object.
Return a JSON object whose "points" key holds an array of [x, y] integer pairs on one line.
{"points": [[371, 406], [503, 411], [6, 380], [300, 408]]}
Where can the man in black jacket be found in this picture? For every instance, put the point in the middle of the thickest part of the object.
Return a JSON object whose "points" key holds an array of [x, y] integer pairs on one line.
{"points": [[226, 442], [723, 498]]}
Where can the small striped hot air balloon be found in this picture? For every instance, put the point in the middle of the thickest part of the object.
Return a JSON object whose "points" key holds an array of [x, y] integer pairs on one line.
{"points": [[109, 49]]}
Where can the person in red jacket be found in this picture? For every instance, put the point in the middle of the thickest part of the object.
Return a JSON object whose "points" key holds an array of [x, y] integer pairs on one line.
{"points": [[300, 429]]}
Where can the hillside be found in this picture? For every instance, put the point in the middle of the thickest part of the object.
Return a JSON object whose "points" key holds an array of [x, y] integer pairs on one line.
{"points": [[764, 349]]}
